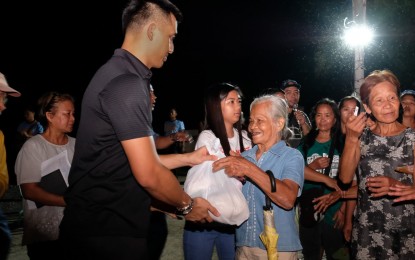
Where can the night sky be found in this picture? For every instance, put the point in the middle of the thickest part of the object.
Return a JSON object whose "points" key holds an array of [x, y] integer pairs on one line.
{"points": [[253, 44]]}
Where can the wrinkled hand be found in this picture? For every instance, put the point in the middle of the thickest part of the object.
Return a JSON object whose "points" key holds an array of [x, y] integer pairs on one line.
{"points": [[200, 155], [338, 219], [200, 211], [319, 163], [379, 185], [403, 192], [234, 166], [355, 125], [323, 202]]}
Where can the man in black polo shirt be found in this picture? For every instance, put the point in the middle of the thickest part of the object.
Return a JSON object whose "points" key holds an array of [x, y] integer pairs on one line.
{"points": [[116, 168]]}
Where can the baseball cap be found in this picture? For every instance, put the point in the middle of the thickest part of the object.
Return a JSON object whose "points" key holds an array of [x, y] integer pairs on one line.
{"points": [[6, 88], [290, 83], [408, 92]]}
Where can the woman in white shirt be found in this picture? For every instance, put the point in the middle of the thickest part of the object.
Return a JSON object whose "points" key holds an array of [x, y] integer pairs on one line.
{"points": [[42, 167]]}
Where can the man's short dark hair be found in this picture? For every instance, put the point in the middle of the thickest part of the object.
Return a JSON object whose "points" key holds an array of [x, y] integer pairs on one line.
{"points": [[139, 11]]}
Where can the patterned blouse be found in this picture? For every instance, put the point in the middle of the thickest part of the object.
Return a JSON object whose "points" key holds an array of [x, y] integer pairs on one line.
{"points": [[383, 229]]}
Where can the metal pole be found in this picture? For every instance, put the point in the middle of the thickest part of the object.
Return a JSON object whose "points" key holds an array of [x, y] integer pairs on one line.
{"points": [[359, 14]]}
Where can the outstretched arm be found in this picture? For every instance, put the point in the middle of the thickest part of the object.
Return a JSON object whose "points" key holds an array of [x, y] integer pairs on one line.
{"points": [[159, 181]]}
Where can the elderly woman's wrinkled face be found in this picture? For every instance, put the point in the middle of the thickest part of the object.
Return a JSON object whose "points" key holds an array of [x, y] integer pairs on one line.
{"points": [[263, 128], [384, 102]]}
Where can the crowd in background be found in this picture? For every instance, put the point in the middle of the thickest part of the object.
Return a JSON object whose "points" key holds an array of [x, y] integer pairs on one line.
{"points": [[341, 183]]}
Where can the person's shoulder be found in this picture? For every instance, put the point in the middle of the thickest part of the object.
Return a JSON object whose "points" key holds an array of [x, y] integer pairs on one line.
{"points": [[207, 134], [71, 139], [33, 142], [409, 132]]}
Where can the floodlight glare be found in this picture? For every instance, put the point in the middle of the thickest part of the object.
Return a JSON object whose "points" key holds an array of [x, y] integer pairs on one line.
{"points": [[358, 35]]}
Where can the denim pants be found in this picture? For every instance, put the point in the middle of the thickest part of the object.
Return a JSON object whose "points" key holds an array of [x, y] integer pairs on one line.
{"points": [[5, 236], [199, 244]]}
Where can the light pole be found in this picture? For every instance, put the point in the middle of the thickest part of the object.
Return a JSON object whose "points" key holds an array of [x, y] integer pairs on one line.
{"points": [[358, 35]]}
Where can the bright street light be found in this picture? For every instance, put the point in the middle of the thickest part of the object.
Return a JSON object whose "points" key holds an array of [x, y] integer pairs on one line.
{"points": [[358, 35]]}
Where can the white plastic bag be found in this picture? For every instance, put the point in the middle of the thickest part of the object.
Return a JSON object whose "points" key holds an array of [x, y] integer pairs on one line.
{"points": [[223, 192]]}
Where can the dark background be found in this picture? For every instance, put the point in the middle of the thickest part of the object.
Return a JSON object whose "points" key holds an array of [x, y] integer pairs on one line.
{"points": [[254, 44]]}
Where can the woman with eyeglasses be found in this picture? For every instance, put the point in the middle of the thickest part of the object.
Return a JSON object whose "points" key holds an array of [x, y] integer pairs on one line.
{"points": [[42, 167]]}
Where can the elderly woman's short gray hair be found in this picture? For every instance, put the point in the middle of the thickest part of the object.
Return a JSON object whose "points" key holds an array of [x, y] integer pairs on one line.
{"points": [[278, 108]]}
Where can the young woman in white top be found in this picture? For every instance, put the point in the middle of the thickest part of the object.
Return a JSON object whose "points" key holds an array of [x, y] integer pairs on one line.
{"points": [[222, 121]]}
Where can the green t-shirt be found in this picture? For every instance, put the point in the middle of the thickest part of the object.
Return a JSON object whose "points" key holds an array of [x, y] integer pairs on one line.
{"points": [[322, 150]]}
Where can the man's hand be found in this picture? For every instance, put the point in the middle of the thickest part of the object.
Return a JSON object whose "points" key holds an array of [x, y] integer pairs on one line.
{"points": [[200, 155], [300, 117], [200, 211]]}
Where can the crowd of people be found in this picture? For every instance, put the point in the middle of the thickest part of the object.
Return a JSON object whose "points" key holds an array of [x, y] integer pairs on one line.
{"points": [[330, 177]]}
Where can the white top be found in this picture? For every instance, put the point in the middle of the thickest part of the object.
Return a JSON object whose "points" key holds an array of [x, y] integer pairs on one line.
{"points": [[207, 137], [41, 224]]}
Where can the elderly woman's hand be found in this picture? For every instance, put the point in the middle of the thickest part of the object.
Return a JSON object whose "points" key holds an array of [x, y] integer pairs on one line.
{"points": [[355, 125], [234, 166], [379, 185], [404, 192]]}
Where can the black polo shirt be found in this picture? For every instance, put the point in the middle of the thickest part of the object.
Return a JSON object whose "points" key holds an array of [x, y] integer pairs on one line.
{"points": [[103, 197]]}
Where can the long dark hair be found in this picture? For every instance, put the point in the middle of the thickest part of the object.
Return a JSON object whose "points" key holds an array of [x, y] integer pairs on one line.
{"points": [[214, 121], [335, 131]]}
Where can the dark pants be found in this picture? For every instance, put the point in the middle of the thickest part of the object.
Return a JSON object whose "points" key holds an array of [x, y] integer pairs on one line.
{"points": [[157, 234], [47, 250], [105, 248], [5, 237], [320, 237]]}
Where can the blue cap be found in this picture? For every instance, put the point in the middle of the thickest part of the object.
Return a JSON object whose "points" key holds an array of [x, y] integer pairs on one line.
{"points": [[290, 83], [408, 92]]}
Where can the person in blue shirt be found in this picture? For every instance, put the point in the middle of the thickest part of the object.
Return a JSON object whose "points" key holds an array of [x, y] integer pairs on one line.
{"points": [[268, 127], [173, 125], [30, 126]]}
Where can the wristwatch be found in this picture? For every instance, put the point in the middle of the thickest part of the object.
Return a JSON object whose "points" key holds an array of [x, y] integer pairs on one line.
{"points": [[186, 209]]}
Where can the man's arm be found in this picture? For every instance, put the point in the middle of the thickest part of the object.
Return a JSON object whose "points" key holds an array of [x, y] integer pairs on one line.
{"points": [[172, 161], [150, 172], [159, 181]]}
